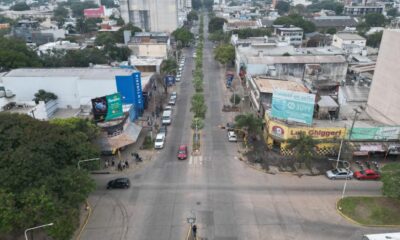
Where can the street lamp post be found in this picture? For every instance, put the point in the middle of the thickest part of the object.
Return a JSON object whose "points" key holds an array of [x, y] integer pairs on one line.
{"points": [[86, 160], [41, 226]]}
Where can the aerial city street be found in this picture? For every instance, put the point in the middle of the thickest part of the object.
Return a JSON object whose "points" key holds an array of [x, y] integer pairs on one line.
{"points": [[199, 119]]}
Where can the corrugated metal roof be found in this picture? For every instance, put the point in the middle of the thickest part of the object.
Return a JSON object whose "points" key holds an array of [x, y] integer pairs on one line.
{"points": [[266, 85], [296, 59], [82, 73]]}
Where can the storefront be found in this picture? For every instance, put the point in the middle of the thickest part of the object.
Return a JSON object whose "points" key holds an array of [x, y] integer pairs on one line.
{"points": [[277, 133]]}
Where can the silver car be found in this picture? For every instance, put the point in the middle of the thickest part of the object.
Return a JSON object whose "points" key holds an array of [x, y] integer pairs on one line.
{"points": [[339, 173]]}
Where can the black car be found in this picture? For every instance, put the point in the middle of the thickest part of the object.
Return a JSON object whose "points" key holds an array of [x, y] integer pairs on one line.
{"points": [[119, 183]]}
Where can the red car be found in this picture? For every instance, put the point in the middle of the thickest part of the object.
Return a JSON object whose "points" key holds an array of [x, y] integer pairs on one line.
{"points": [[182, 152], [367, 174]]}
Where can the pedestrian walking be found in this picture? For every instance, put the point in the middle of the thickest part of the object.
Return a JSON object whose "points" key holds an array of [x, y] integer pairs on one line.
{"points": [[119, 166], [106, 164], [123, 165], [194, 231], [126, 164]]}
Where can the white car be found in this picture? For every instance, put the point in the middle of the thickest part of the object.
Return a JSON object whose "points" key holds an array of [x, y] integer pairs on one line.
{"points": [[168, 108], [180, 69], [178, 75], [172, 101], [339, 173], [178, 79], [174, 95], [160, 140], [232, 136]]}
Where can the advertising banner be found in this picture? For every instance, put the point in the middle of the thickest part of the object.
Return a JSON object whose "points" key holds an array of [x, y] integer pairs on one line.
{"points": [[375, 133], [293, 106], [138, 95], [107, 108]]}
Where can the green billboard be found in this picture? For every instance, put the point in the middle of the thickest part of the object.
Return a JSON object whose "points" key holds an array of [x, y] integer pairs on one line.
{"points": [[107, 108], [293, 106], [375, 133]]}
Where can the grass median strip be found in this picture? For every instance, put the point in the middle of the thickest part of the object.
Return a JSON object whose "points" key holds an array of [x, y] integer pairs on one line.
{"points": [[371, 210]]}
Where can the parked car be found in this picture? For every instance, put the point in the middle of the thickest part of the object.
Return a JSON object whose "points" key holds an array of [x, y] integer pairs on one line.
{"points": [[160, 140], [339, 173], [163, 130], [172, 101], [119, 183], [178, 75], [367, 174], [230, 126], [168, 108], [174, 95], [182, 152], [232, 136], [178, 79]]}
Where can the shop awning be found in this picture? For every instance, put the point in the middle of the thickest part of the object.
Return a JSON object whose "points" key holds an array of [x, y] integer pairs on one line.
{"points": [[128, 136]]}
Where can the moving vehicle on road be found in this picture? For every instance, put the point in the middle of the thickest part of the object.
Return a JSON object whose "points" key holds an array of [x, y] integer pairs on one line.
{"points": [[166, 117], [232, 136], [119, 183], [160, 140], [367, 174], [339, 173], [182, 152]]}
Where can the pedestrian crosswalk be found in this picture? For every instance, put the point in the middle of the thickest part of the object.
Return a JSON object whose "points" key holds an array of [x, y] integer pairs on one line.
{"points": [[196, 160]]}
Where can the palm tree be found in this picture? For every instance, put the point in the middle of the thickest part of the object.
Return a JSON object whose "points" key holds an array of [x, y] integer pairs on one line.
{"points": [[304, 147], [248, 123]]}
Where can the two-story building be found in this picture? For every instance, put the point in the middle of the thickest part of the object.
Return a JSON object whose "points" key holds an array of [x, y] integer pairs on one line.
{"points": [[291, 33]]}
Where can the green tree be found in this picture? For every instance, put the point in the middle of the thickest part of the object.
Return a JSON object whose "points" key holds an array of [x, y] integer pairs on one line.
{"points": [[235, 99], [21, 6], [304, 147], [393, 12], [327, 5], [362, 28], [42, 95], [61, 12], [105, 39], [183, 35], [224, 53], [15, 54], [282, 7], [296, 20], [119, 35], [39, 181], [78, 7], [196, 4], [216, 24], [374, 40], [198, 106], [168, 66], [375, 20], [249, 123], [87, 25], [220, 36], [192, 16], [248, 32], [391, 180], [75, 124], [331, 30], [108, 3]]}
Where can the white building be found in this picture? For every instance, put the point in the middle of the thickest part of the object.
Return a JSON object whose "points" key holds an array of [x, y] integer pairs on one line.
{"points": [[351, 43], [291, 33], [151, 15], [74, 87]]}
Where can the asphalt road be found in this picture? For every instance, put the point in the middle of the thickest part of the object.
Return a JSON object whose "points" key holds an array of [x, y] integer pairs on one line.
{"points": [[230, 200]]}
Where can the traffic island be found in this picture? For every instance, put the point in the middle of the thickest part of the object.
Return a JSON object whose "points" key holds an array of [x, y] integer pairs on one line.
{"points": [[370, 211]]}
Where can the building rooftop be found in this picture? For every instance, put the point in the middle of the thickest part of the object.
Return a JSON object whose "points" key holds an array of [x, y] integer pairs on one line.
{"points": [[151, 34], [355, 93], [145, 61], [296, 59], [349, 36], [267, 85], [82, 73], [242, 24], [334, 21]]}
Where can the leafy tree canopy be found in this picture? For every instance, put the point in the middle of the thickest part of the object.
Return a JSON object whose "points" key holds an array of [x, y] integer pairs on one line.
{"points": [[282, 7], [21, 6], [216, 24], [296, 20], [249, 122], [192, 16], [39, 180], [109, 3], [393, 12], [42, 95], [224, 53], [248, 32], [303, 146], [183, 35], [169, 66], [374, 40], [119, 35], [78, 7], [15, 54], [327, 5], [375, 20]]}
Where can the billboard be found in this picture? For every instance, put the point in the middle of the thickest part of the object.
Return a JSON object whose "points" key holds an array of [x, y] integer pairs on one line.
{"points": [[107, 108], [375, 133], [137, 89], [293, 106]]}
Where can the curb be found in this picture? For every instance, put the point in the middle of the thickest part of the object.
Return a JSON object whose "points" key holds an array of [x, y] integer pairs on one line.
{"points": [[89, 208], [357, 223]]}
